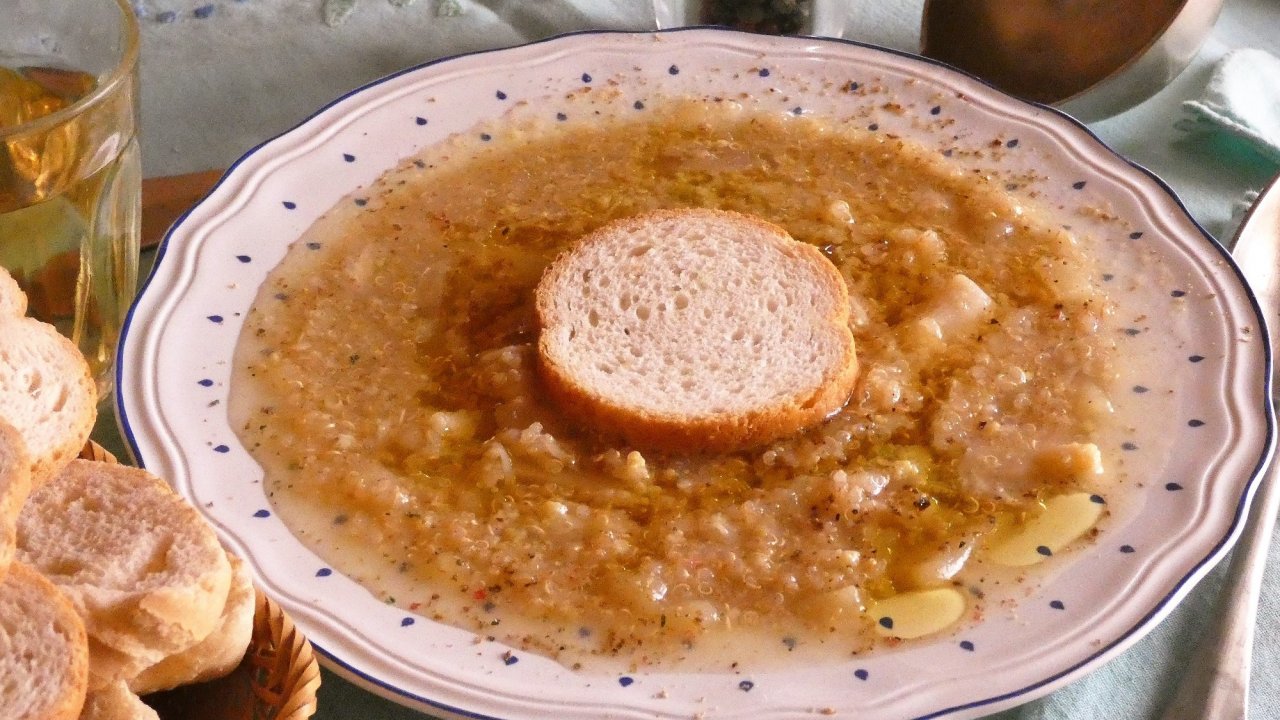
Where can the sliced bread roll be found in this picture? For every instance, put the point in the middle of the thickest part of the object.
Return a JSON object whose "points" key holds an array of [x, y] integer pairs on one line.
{"points": [[695, 330], [143, 568], [46, 392], [44, 658], [219, 653], [15, 484], [116, 702], [13, 302]]}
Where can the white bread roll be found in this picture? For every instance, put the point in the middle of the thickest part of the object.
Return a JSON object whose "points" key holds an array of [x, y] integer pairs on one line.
{"points": [[13, 302], [46, 392], [219, 653], [146, 572], [44, 659], [695, 330], [116, 702]]}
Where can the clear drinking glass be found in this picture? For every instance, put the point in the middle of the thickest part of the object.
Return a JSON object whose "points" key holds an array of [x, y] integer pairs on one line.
{"points": [[70, 178]]}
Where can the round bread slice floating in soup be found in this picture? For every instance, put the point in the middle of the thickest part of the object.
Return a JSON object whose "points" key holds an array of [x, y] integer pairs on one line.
{"points": [[695, 330]]}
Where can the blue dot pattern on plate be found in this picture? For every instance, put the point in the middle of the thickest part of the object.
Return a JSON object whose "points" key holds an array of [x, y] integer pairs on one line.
{"points": [[861, 674], [509, 659], [1044, 550], [215, 319], [420, 120], [935, 110], [221, 449], [289, 204], [244, 258], [262, 513], [1178, 293], [886, 623], [746, 685], [206, 382], [673, 70], [1012, 143], [1057, 605], [406, 622], [348, 157], [764, 72], [625, 681], [966, 645], [1135, 235], [1172, 487], [1195, 423], [1196, 358], [324, 572], [1141, 389], [586, 78], [1097, 499], [638, 105], [500, 95], [1127, 549], [1128, 446], [1078, 185]]}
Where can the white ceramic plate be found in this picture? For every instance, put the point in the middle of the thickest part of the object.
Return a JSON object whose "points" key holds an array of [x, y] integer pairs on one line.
{"points": [[1186, 308]]}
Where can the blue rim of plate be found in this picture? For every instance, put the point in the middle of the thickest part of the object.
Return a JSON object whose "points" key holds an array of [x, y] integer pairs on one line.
{"points": [[1181, 588]]}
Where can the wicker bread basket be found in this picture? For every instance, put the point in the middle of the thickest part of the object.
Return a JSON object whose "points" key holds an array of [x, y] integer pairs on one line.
{"points": [[277, 680]]}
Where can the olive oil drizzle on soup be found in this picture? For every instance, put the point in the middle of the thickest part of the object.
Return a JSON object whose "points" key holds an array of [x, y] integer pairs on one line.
{"points": [[385, 382]]}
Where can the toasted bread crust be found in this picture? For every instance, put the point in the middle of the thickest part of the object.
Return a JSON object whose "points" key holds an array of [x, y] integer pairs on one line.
{"points": [[718, 433], [693, 431]]}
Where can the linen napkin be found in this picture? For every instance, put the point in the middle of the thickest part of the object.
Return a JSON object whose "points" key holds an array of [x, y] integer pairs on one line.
{"points": [[1242, 98], [1240, 105]]}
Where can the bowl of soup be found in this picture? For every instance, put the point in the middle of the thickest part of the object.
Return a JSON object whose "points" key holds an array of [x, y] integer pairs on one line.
{"points": [[1060, 411]]}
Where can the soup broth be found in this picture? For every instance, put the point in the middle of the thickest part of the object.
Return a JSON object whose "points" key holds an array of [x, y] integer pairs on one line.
{"points": [[386, 383]]}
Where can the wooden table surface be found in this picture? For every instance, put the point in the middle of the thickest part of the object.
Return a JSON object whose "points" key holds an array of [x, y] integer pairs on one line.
{"points": [[166, 198]]}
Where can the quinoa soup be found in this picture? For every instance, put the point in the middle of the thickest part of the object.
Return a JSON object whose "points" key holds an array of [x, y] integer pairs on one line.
{"points": [[385, 381]]}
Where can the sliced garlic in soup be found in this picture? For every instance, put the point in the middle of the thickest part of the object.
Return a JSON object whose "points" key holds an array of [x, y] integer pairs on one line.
{"points": [[1064, 519], [916, 614]]}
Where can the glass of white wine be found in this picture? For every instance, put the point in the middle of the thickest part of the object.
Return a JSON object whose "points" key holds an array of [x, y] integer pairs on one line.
{"points": [[70, 178]]}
